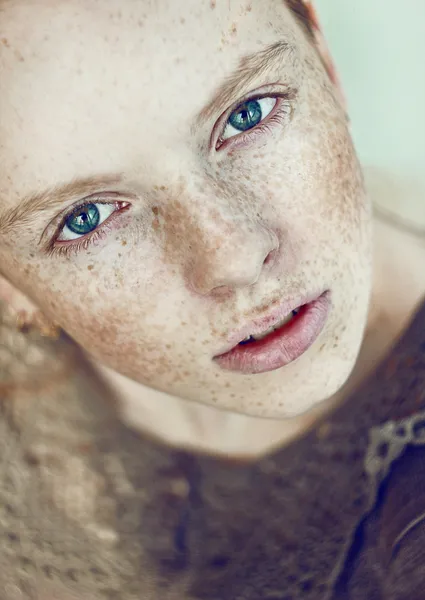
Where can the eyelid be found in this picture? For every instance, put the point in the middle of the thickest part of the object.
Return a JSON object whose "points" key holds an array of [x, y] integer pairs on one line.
{"points": [[98, 198], [275, 90]]}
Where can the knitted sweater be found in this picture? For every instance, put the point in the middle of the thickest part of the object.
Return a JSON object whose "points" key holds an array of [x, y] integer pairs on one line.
{"points": [[89, 507]]}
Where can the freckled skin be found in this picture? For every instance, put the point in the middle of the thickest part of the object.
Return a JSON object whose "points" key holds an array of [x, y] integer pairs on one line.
{"points": [[213, 238]]}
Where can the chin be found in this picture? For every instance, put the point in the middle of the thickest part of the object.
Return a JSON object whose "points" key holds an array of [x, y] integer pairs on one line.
{"points": [[325, 396], [324, 388]]}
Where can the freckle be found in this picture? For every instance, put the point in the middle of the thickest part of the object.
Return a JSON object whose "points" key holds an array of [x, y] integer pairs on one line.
{"points": [[5, 42], [322, 347], [182, 20], [233, 395], [168, 346], [124, 243], [234, 29], [213, 4], [90, 267], [155, 210]]}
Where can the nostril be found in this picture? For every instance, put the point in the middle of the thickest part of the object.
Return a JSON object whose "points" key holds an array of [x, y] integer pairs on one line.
{"points": [[270, 256]]}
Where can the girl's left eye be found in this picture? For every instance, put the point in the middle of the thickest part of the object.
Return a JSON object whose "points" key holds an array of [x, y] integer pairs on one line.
{"points": [[247, 116], [84, 220]]}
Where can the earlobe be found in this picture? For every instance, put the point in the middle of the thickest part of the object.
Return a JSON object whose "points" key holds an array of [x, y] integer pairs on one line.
{"points": [[25, 314]]}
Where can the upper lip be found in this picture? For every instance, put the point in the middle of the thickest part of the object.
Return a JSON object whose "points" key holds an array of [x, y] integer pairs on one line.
{"points": [[272, 318]]}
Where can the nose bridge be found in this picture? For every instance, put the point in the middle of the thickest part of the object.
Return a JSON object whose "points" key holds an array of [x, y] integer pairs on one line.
{"points": [[219, 242], [221, 214]]}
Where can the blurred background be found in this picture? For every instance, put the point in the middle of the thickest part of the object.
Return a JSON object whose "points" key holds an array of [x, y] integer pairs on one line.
{"points": [[379, 49]]}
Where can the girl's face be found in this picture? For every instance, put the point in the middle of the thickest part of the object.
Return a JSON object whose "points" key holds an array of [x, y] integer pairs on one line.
{"points": [[171, 171]]}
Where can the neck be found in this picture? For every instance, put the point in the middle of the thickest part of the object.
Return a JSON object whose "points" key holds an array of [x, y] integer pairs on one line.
{"points": [[192, 426], [398, 288]]}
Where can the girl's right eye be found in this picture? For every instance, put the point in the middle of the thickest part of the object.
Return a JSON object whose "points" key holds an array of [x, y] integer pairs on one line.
{"points": [[84, 225], [84, 220]]}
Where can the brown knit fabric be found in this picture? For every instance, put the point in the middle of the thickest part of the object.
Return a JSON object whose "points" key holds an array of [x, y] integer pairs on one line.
{"points": [[88, 507]]}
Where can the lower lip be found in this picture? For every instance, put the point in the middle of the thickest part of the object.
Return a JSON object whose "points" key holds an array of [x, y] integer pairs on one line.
{"points": [[283, 346]]}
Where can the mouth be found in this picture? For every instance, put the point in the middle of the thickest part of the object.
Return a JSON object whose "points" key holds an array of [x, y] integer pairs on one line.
{"points": [[277, 340]]}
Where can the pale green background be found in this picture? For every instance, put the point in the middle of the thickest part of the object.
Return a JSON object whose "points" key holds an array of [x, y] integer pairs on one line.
{"points": [[379, 50]]}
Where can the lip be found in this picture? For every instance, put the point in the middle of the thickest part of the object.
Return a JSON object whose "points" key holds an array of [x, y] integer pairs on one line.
{"points": [[281, 347]]}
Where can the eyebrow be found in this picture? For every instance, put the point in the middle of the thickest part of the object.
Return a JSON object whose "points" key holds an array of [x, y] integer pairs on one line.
{"points": [[250, 69], [54, 197]]}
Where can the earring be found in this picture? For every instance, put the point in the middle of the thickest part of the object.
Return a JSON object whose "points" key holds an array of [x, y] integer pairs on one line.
{"points": [[38, 322]]}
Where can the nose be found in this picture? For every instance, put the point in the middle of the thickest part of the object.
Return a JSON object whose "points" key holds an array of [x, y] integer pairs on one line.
{"points": [[229, 254]]}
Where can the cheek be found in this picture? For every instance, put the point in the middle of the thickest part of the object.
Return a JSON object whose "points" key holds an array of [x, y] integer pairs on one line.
{"points": [[116, 310], [121, 334], [313, 174], [332, 159], [132, 328]]}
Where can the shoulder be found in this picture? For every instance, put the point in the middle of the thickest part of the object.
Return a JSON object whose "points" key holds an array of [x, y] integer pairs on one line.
{"points": [[387, 556]]}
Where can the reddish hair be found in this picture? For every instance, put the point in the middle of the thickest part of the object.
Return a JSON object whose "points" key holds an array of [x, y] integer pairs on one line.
{"points": [[303, 16]]}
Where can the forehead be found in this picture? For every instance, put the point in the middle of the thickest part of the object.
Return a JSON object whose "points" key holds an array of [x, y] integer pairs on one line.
{"points": [[100, 86]]}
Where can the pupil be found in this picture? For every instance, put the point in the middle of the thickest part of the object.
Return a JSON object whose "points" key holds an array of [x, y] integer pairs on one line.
{"points": [[85, 220], [245, 117]]}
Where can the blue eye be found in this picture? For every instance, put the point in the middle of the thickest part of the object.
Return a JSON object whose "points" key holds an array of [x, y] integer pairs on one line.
{"points": [[247, 116], [85, 220]]}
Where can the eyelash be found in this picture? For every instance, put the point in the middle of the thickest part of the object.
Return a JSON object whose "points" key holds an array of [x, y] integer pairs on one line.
{"points": [[277, 116], [65, 247]]}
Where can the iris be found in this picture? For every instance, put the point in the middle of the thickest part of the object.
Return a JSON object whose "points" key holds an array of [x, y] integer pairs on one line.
{"points": [[246, 116], [84, 220]]}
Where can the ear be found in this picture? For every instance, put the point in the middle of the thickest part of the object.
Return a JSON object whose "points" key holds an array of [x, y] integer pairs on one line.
{"points": [[322, 48], [15, 300], [18, 307]]}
